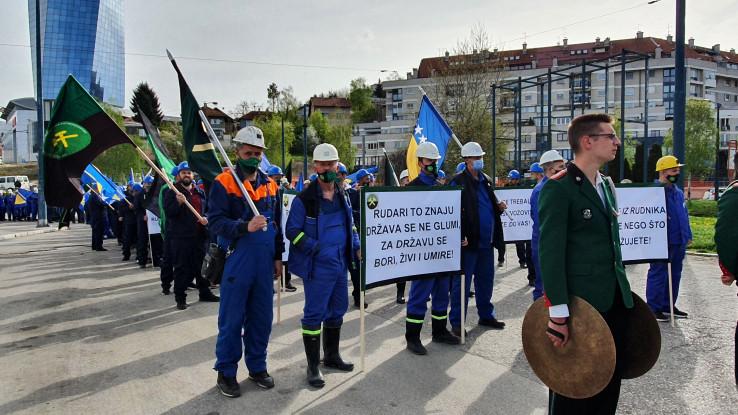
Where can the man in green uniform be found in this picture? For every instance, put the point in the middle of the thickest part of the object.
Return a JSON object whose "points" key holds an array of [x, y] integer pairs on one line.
{"points": [[577, 207], [726, 241]]}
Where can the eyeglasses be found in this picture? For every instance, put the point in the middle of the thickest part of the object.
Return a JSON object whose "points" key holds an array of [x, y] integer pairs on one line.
{"points": [[611, 136]]}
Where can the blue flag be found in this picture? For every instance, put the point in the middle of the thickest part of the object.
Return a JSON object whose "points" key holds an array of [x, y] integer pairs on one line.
{"points": [[430, 127], [265, 164], [104, 185], [298, 185]]}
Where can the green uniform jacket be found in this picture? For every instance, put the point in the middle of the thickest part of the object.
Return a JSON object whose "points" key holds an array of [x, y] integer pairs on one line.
{"points": [[579, 246], [726, 229]]}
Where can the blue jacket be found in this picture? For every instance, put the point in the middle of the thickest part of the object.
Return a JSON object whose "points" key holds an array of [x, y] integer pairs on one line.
{"points": [[677, 223], [228, 212], [304, 225], [534, 213]]}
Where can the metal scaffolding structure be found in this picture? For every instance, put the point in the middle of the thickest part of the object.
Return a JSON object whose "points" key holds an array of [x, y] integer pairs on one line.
{"points": [[509, 95]]}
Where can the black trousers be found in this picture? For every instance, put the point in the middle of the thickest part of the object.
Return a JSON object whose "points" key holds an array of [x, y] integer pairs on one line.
{"points": [[287, 275], [142, 242], [605, 402], [520, 249], [188, 254], [129, 238], [156, 249], [166, 272], [401, 289], [98, 231], [355, 282]]}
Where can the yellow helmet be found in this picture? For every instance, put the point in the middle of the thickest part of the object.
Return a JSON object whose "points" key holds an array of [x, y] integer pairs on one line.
{"points": [[667, 162]]}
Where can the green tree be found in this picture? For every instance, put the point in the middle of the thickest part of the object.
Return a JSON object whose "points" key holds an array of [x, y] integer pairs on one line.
{"points": [[362, 107], [117, 161], [339, 135], [273, 95], [272, 128], [699, 151], [145, 100]]}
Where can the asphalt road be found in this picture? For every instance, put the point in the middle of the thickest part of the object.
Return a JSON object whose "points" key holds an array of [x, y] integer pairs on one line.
{"points": [[83, 333]]}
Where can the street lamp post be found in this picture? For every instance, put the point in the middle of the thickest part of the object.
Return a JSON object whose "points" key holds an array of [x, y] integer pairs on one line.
{"points": [[42, 218], [717, 150]]}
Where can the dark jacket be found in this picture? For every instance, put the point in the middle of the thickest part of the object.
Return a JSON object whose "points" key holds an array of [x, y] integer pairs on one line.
{"points": [[139, 206], [127, 212], [470, 210], [181, 223]]}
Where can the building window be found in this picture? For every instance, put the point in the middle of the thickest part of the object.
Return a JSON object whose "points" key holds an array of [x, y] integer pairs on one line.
{"points": [[601, 93], [651, 73], [560, 97], [629, 75], [600, 76], [561, 137], [727, 98], [629, 92]]}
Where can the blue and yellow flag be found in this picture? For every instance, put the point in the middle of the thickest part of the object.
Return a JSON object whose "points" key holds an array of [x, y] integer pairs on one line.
{"points": [[21, 197], [429, 127], [104, 185]]}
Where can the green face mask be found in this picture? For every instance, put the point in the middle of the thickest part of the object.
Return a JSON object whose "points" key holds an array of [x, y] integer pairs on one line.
{"points": [[249, 165], [328, 177]]}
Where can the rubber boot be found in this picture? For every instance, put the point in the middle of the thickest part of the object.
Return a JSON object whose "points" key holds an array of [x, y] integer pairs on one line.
{"points": [[440, 333], [412, 334], [312, 351], [331, 356]]}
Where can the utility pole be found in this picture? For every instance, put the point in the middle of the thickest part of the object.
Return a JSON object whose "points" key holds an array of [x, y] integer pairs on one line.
{"points": [[680, 93], [42, 219]]}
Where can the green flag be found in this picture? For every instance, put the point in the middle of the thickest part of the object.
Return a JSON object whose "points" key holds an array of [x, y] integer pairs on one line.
{"points": [[79, 130], [199, 151], [151, 198]]}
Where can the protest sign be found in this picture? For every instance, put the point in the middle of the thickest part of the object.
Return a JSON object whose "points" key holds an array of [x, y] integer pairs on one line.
{"points": [[152, 222], [642, 222], [287, 197], [409, 232], [516, 221]]}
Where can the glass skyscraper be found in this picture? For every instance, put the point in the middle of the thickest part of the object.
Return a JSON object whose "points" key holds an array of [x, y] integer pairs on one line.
{"points": [[84, 38]]}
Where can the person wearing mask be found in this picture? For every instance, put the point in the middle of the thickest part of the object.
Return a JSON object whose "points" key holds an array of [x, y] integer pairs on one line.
{"points": [[551, 163], [362, 179], [127, 215], [435, 286], [481, 228], [256, 245], [324, 242], [187, 236], [679, 236]]}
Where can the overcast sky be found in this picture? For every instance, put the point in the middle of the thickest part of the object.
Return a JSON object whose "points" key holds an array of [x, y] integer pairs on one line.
{"points": [[363, 36]]}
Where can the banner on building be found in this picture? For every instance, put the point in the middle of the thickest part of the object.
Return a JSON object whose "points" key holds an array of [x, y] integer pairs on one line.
{"points": [[409, 232], [152, 221], [642, 220], [287, 197]]}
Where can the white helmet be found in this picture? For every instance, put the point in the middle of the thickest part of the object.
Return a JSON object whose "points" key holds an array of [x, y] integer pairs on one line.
{"points": [[250, 135], [472, 149], [428, 150], [404, 174], [325, 152], [550, 156]]}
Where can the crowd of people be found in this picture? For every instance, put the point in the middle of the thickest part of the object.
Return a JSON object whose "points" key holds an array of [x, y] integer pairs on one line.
{"points": [[572, 209]]}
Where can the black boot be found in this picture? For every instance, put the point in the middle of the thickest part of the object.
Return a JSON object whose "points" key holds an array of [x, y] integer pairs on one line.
{"points": [[440, 332], [331, 356], [312, 351], [412, 334]]}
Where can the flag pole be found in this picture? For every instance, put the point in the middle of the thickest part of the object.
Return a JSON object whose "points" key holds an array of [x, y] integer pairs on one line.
{"points": [[214, 140], [393, 168], [463, 308], [166, 179]]}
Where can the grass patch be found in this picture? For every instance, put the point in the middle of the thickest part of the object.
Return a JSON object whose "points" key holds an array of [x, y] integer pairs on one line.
{"points": [[702, 208], [703, 233]]}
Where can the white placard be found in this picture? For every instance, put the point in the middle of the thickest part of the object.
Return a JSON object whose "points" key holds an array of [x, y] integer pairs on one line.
{"points": [[517, 224], [287, 199], [409, 233], [152, 221], [642, 220]]}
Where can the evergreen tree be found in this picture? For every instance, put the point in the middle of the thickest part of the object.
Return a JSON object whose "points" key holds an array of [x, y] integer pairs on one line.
{"points": [[145, 100]]}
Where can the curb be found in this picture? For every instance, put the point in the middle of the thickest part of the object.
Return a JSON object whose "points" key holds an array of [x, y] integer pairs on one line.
{"points": [[27, 233], [702, 254]]}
